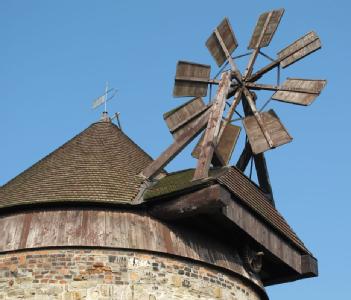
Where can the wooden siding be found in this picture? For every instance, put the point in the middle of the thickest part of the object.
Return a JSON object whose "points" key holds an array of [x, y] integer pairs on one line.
{"points": [[114, 229]]}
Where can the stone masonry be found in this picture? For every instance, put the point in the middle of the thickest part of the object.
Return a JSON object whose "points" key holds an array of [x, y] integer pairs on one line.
{"points": [[72, 274]]}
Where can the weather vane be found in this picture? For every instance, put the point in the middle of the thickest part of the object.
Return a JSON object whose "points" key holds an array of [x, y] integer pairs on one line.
{"points": [[107, 96]]}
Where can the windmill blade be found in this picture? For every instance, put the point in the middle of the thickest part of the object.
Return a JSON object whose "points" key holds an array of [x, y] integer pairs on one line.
{"points": [[222, 42], [275, 128], [265, 28], [224, 148], [179, 119], [294, 91], [252, 105], [262, 35], [191, 79], [302, 47]]}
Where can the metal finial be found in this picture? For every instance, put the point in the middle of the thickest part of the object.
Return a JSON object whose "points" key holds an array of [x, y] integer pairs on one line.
{"points": [[108, 95]]}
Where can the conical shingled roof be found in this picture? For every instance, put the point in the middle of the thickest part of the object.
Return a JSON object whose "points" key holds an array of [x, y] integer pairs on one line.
{"points": [[99, 164]]}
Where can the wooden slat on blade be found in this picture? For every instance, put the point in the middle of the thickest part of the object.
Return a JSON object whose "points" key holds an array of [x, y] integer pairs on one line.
{"points": [[184, 88], [225, 145], [270, 30], [227, 142], [158, 164], [226, 32], [188, 124], [315, 86], [181, 115], [299, 49], [275, 128]]}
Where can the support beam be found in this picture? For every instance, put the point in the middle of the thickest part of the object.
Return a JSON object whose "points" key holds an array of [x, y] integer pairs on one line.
{"points": [[244, 158], [260, 161], [191, 133], [212, 130], [263, 176]]}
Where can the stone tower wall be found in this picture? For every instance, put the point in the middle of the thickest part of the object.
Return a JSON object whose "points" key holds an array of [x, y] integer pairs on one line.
{"points": [[68, 274]]}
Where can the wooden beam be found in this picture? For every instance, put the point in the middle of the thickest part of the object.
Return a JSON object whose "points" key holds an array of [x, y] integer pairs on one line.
{"points": [[269, 239], [269, 87], [256, 51], [206, 200], [236, 101], [157, 165], [196, 79], [245, 157], [257, 115], [263, 176], [212, 130], [260, 162], [297, 50], [234, 67], [217, 201], [187, 120], [309, 265]]}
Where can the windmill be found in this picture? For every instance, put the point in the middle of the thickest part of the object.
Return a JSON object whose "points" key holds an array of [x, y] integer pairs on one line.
{"points": [[264, 130]]}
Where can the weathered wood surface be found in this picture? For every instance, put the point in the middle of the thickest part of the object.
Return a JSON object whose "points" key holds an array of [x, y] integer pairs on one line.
{"points": [[261, 233], [274, 127], [260, 163], [191, 87], [180, 117], [299, 49], [227, 142], [265, 28], [261, 128], [244, 157], [225, 146], [205, 201], [300, 98], [263, 176], [222, 42], [309, 265], [284, 87], [189, 134], [217, 200], [114, 229], [212, 130], [257, 40], [291, 54]]}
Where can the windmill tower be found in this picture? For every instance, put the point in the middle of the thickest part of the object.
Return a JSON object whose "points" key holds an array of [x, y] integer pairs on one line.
{"points": [[99, 219]]}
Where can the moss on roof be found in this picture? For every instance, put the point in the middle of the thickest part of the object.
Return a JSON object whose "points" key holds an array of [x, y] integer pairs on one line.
{"points": [[180, 181]]}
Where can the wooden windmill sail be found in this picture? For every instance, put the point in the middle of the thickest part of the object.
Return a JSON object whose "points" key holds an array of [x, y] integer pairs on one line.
{"points": [[264, 130]]}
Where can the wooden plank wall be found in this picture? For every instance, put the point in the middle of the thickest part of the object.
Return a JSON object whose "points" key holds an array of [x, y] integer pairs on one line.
{"points": [[114, 229]]}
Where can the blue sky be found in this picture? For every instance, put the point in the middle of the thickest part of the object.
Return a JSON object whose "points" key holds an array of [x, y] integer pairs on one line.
{"points": [[56, 56]]}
